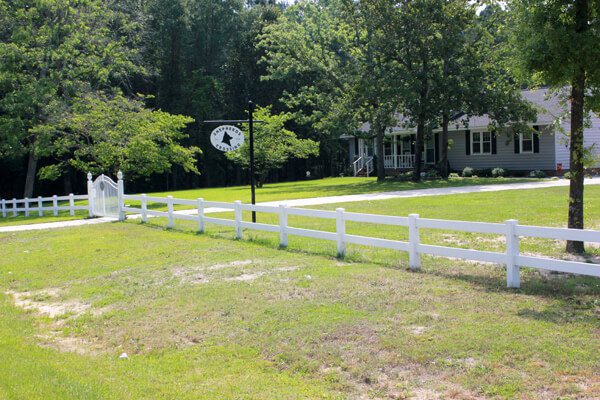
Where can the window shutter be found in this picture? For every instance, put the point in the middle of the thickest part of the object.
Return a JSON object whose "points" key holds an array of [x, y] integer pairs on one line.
{"points": [[536, 139], [494, 144], [436, 147], [468, 142], [517, 144]]}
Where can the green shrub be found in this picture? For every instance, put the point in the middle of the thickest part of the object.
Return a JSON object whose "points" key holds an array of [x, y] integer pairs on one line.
{"points": [[453, 175], [537, 174], [485, 172], [498, 173], [432, 174], [467, 172], [567, 175]]}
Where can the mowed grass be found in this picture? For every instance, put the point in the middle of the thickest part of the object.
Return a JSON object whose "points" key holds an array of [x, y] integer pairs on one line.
{"points": [[35, 218], [328, 187], [273, 192], [322, 188], [206, 316], [541, 207]]}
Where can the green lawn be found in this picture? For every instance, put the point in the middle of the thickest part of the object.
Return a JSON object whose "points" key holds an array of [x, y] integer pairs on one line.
{"points": [[526, 206], [327, 187], [34, 218], [206, 316], [279, 191]]}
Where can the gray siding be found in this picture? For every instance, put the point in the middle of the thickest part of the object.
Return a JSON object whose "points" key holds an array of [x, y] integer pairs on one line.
{"points": [[591, 139], [505, 157]]}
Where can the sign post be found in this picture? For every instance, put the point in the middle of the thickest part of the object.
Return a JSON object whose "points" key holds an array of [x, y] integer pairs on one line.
{"points": [[228, 138], [251, 148]]}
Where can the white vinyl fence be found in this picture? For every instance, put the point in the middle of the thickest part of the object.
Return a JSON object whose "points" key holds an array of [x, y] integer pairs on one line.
{"points": [[42, 205], [510, 229], [103, 200]]}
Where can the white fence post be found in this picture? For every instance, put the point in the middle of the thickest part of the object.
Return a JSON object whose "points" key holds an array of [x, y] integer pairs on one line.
{"points": [[71, 205], [90, 193], [3, 208], [120, 193], [144, 208], [171, 221], [40, 206], [26, 206], [55, 205], [237, 211], [513, 276], [414, 260], [340, 228], [200, 214], [14, 207], [283, 222]]}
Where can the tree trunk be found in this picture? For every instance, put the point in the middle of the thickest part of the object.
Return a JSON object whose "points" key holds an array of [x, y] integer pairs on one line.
{"points": [[380, 156], [30, 178], [443, 162], [418, 148], [576, 144], [576, 160], [67, 183]]}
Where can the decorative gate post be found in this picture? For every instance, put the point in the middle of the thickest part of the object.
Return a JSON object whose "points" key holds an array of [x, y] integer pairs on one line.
{"points": [[120, 192], [90, 192]]}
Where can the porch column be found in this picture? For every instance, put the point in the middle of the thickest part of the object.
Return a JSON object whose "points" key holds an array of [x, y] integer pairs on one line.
{"points": [[395, 150]]}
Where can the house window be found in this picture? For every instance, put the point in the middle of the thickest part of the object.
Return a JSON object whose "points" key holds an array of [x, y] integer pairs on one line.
{"points": [[481, 143], [526, 142], [387, 146]]}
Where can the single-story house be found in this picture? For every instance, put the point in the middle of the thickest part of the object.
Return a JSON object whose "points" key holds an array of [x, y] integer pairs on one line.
{"points": [[473, 145]]}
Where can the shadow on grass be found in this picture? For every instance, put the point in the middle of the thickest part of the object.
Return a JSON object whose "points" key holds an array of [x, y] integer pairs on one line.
{"points": [[574, 298]]}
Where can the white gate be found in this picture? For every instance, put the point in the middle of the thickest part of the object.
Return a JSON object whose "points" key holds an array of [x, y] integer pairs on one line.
{"points": [[105, 197]]}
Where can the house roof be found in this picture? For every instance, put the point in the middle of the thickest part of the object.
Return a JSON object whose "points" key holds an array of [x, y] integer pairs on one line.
{"points": [[548, 104]]}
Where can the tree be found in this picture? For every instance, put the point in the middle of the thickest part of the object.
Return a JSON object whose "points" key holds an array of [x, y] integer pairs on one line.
{"points": [[558, 42], [274, 145], [111, 133], [473, 76], [373, 93], [414, 30], [334, 53], [52, 52]]}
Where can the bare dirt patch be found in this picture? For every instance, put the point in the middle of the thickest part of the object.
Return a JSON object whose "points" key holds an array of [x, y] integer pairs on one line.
{"points": [[45, 302], [206, 274], [68, 344], [200, 275], [373, 372], [252, 276], [239, 263], [188, 276]]}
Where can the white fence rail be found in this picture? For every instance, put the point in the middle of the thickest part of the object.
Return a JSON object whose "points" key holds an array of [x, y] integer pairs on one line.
{"points": [[40, 205], [511, 257]]}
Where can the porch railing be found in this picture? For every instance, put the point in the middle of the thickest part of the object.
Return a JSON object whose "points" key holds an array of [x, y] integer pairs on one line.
{"points": [[363, 163], [400, 161]]}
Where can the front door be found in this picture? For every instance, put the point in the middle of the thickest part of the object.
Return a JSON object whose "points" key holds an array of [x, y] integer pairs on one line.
{"points": [[365, 148]]}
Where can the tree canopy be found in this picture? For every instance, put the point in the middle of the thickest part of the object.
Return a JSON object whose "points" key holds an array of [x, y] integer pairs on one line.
{"points": [[557, 43], [111, 133], [274, 144]]}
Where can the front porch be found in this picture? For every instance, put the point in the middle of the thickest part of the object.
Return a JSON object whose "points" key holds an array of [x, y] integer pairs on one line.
{"points": [[399, 153]]}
